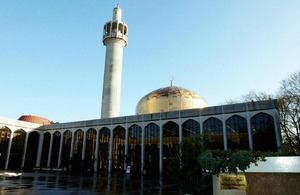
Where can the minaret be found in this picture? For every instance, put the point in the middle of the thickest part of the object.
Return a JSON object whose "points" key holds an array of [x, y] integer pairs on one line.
{"points": [[115, 37]]}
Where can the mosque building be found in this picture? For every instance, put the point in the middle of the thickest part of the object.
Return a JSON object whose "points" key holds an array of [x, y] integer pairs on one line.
{"points": [[145, 141]]}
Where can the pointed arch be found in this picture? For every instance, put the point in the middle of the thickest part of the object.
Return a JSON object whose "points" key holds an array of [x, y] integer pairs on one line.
{"points": [[118, 147], [17, 149], [90, 151], [66, 149], [104, 143], [263, 131], [134, 148], [45, 149], [170, 141], [31, 150], [77, 150], [5, 133], [55, 148], [237, 133], [152, 145], [213, 128], [190, 128]]}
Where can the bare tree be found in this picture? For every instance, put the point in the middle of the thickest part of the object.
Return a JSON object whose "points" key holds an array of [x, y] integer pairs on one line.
{"points": [[251, 96], [256, 96], [289, 111], [288, 108]]}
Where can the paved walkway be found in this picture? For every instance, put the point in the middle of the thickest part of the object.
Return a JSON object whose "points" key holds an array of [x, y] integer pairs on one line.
{"points": [[62, 183]]}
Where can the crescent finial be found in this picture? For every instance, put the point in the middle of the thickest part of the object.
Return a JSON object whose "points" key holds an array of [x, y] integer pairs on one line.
{"points": [[172, 79]]}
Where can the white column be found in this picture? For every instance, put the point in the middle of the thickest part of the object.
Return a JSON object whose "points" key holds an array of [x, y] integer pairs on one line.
{"points": [[277, 130], [143, 150], [60, 149], [180, 136], [50, 150], [224, 133], [8, 150], [111, 94], [180, 131], [24, 150], [110, 150], [160, 148], [72, 144], [201, 124], [249, 131], [40, 149], [71, 150], [84, 145], [97, 152], [126, 146]]}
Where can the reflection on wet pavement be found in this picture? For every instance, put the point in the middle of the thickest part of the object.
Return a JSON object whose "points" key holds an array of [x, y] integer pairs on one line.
{"points": [[63, 183]]}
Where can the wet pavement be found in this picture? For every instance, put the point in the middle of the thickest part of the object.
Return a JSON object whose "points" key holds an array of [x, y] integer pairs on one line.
{"points": [[63, 183]]}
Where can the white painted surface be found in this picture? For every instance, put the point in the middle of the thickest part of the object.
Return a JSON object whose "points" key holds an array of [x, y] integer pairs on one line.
{"points": [[112, 79], [117, 13], [114, 40], [281, 164], [13, 124]]}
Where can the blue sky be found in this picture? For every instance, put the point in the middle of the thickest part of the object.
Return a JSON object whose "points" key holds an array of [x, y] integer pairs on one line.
{"points": [[52, 56]]}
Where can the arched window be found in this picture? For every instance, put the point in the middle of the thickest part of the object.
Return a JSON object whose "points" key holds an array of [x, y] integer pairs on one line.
{"points": [[119, 148], [120, 28], [237, 133], [45, 149], [107, 28], [31, 150], [65, 158], [4, 140], [17, 148], [213, 128], [114, 28], [91, 137], [77, 150], [190, 128], [104, 142], [125, 30], [55, 149], [263, 133], [134, 148], [170, 141], [152, 145]]}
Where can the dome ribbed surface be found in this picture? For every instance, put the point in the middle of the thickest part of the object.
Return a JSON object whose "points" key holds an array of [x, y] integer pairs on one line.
{"points": [[35, 119], [170, 99]]}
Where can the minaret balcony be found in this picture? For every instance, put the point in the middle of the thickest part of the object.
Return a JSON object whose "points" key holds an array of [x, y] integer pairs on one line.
{"points": [[115, 29]]}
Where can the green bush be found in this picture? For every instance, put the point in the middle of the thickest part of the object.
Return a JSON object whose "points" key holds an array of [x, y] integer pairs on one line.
{"points": [[218, 161]]}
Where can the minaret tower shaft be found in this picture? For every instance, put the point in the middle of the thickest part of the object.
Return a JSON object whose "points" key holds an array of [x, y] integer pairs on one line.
{"points": [[115, 38]]}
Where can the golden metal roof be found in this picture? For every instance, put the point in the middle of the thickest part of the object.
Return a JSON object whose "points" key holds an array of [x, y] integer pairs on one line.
{"points": [[169, 99]]}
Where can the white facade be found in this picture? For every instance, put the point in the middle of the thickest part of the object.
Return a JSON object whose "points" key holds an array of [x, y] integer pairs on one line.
{"points": [[223, 113]]}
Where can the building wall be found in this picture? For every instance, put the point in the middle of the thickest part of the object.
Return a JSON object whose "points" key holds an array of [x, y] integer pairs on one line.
{"points": [[223, 113]]}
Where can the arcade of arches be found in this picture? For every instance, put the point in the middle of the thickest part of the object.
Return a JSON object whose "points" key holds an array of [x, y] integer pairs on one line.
{"points": [[145, 147]]}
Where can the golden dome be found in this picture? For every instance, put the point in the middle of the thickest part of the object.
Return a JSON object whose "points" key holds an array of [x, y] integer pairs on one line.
{"points": [[170, 99]]}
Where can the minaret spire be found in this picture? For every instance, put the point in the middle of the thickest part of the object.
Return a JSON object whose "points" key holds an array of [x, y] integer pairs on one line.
{"points": [[115, 38], [172, 81], [117, 13]]}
